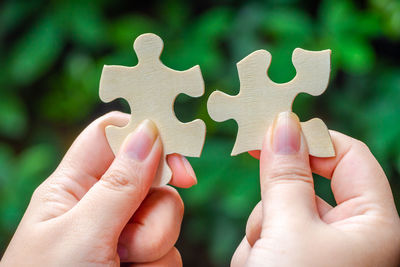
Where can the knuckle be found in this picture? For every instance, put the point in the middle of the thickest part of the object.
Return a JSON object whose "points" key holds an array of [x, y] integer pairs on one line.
{"points": [[157, 247], [116, 178], [161, 243], [37, 194], [105, 258], [120, 178], [361, 146], [181, 207], [48, 192], [176, 198], [289, 173], [253, 226], [176, 258]]}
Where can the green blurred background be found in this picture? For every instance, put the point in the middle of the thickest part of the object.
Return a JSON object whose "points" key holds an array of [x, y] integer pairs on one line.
{"points": [[51, 57]]}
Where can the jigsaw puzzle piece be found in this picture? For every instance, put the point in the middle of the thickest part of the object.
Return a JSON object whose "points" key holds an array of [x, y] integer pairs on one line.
{"points": [[150, 88], [253, 69], [318, 138], [313, 69], [114, 81], [222, 107], [260, 99], [220, 101], [116, 136], [189, 82], [191, 138], [241, 107], [148, 48]]}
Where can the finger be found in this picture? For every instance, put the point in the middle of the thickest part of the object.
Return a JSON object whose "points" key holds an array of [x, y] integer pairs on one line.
{"points": [[255, 154], [323, 207], [287, 188], [182, 172], [254, 223], [84, 163], [241, 254], [111, 202], [347, 150], [253, 226], [90, 154], [154, 228], [351, 148], [354, 172], [171, 259]]}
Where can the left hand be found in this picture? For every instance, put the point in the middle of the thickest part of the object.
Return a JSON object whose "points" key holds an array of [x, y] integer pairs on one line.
{"points": [[95, 210]]}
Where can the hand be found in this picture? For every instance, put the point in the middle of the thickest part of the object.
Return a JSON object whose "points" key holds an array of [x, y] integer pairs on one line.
{"points": [[97, 210], [291, 226]]}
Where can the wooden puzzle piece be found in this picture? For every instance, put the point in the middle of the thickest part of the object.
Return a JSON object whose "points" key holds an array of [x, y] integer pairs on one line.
{"points": [[151, 89], [261, 99]]}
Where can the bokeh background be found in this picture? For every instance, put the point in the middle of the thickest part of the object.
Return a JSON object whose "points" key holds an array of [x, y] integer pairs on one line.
{"points": [[51, 57]]}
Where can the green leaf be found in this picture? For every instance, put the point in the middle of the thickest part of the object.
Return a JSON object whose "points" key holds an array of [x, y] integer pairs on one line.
{"points": [[34, 164], [357, 55], [36, 51], [83, 22], [224, 240], [174, 12], [13, 13], [338, 17], [30, 169], [6, 165], [13, 117], [123, 31], [200, 44], [290, 24], [73, 95]]}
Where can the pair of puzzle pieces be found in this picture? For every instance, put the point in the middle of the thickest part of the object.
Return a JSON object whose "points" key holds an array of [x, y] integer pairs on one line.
{"points": [[151, 89]]}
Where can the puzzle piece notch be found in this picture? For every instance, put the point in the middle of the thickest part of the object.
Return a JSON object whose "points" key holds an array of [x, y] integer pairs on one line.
{"points": [[260, 99], [253, 71], [151, 89]]}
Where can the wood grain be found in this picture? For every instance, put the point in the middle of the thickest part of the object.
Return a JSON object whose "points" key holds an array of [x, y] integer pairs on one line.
{"points": [[151, 89], [261, 99]]}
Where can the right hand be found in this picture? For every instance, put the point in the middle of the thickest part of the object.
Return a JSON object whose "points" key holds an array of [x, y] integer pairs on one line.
{"points": [[291, 226]]}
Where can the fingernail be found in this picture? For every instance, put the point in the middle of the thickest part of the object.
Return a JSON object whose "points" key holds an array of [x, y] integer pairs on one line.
{"points": [[141, 141], [286, 134], [122, 252], [189, 168]]}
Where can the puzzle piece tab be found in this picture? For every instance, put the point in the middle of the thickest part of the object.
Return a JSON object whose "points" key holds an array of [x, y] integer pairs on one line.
{"points": [[261, 99], [151, 89]]}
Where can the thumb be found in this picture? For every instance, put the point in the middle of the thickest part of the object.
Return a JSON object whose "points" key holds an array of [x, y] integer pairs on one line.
{"points": [[287, 188], [111, 202]]}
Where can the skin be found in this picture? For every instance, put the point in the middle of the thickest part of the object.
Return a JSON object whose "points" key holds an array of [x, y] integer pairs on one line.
{"points": [[291, 226], [99, 210]]}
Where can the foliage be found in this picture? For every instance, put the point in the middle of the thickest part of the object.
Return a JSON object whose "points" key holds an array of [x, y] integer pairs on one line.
{"points": [[52, 53]]}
